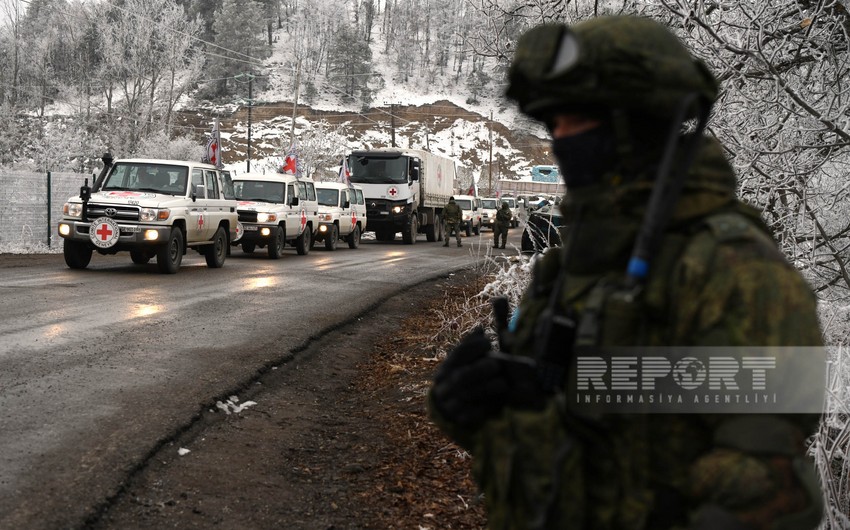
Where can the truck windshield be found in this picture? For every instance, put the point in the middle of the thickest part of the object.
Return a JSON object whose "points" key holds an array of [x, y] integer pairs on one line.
{"points": [[374, 170], [328, 197], [511, 203], [155, 178], [258, 190], [464, 204], [488, 203]]}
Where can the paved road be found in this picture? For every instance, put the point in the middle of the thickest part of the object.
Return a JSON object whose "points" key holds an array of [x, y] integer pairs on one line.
{"points": [[99, 367]]}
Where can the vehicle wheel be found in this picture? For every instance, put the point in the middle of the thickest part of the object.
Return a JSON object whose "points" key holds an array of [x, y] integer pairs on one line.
{"points": [[354, 237], [139, 257], [440, 227], [331, 238], [468, 229], [248, 248], [217, 252], [77, 255], [410, 231], [476, 230], [276, 245], [170, 255], [431, 232], [304, 242]]}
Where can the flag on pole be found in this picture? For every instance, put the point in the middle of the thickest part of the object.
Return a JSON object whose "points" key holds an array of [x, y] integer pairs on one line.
{"points": [[345, 173], [291, 162], [212, 151]]}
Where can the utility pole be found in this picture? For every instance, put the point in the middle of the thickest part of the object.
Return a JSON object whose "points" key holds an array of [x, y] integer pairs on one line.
{"points": [[490, 185], [392, 120], [250, 104], [295, 103]]}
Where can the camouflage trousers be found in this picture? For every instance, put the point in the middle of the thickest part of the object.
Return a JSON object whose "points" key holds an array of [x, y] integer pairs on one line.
{"points": [[499, 230], [448, 234]]}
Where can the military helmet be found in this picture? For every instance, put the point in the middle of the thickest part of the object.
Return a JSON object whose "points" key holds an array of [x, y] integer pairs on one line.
{"points": [[626, 62]]}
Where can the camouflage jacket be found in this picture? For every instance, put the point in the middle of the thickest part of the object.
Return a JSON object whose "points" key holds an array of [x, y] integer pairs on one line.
{"points": [[718, 279], [452, 213], [503, 217]]}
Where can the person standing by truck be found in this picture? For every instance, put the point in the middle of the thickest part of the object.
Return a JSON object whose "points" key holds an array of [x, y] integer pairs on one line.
{"points": [[452, 217], [503, 223]]}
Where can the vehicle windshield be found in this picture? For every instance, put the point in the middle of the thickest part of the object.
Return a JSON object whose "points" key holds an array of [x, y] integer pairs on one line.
{"points": [[141, 176], [488, 203], [511, 203], [464, 204], [327, 197], [373, 170], [258, 191]]}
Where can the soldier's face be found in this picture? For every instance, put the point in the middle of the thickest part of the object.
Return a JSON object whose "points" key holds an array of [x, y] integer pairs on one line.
{"points": [[566, 125]]}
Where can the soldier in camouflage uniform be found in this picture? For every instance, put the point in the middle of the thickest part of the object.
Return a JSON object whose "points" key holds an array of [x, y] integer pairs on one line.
{"points": [[503, 223], [452, 216], [608, 90]]}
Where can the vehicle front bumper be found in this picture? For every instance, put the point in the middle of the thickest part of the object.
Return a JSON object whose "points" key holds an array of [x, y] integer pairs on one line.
{"points": [[320, 233], [256, 232], [132, 235]]}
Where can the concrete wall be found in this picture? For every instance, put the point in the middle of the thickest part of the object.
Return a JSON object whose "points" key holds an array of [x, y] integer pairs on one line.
{"points": [[24, 209]]}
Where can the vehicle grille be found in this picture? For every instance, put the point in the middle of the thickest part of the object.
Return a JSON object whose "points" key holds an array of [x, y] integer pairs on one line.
{"points": [[376, 206], [122, 212], [247, 216]]}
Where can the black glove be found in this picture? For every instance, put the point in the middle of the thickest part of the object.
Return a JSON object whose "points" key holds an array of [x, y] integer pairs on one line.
{"points": [[474, 384]]}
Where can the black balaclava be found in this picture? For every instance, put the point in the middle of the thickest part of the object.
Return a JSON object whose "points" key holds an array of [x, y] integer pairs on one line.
{"points": [[585, 157]]}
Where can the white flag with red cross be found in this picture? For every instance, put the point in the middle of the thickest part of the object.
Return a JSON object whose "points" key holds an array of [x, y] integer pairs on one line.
{"points": [[212, 151], [345, 172]]}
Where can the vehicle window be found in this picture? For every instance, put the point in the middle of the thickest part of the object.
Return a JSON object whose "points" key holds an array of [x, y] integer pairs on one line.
{"points": [[488, 203], [359, 194], [465, 204], [212, 185], [302, 190], [344, 198], [311, 191], [290, 192], [378, 170], [328, 197], [227, 182], [258, 190], [197, 178]]}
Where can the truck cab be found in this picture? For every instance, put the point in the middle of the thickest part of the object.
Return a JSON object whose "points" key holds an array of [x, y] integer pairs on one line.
{"points": [[342, 214], [471, 219], [152, 208], [275, 210]]}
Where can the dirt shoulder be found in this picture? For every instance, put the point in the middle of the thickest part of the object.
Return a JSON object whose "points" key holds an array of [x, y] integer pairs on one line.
{"points": [[338, 438]]}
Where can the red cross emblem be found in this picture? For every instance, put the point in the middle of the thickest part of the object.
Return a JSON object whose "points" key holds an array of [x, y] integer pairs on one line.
{"points": [[353, 219], [201, 222], [104, 232], [392, 191], [303, 219]]}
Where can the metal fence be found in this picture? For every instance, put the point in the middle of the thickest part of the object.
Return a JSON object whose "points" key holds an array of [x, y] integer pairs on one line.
{"points": [[31, 205]]}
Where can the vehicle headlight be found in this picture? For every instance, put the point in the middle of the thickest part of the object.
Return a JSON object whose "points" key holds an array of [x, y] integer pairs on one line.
{"points": [[154, 214], [397, 209], [72, 209], [323, 228], [326, 217], [266, 217]]}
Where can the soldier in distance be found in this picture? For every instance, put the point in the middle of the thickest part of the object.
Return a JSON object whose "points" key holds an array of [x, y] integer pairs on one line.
{"points": [[452, 216], [615, 93]]}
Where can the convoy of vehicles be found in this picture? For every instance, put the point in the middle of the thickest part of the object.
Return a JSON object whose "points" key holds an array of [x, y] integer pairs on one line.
{"points": [[275, 210], [162, 208], [405, 191], [470, 206], [151, 208], [342, 214]]}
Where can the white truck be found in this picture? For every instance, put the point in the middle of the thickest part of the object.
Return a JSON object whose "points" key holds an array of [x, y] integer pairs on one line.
{"points": [[342, 214], [274, 210], [405, 191], [151, 208]]}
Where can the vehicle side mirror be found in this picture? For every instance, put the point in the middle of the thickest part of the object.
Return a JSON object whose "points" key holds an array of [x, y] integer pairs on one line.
{"points": [[198, 190], [346, 204], [414, 174], [293, 201]]}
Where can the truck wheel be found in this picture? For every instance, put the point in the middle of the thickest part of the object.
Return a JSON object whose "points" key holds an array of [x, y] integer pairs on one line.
{"points": [[217, 252], [139, 257], [439, 223], [170, 255], [276, 245], [431, 232], [304, 242], [331, 238], [469, 229], [354, 237], [248, 248], [77, 255], [410, 231]]}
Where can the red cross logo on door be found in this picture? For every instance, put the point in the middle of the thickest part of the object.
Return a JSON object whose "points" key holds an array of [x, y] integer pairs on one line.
{"points": [[353, 219], [303, 219], [201, 222], [104, 232]]}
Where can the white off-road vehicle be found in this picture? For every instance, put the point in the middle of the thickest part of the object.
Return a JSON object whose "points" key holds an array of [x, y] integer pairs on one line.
{"points": [[471, 221], [276, 209], [489, 207], [342, 214], [151, 208]]}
